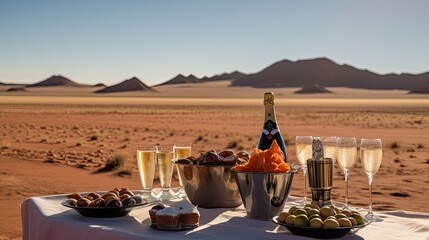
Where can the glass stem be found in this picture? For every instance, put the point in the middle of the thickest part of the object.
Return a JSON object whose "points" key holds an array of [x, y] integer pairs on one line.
{"points": [[304, 169], [346, 178], [370, 177]]}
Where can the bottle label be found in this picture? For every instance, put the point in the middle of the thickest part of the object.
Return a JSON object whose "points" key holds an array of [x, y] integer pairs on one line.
{"points": [[270, 129]]}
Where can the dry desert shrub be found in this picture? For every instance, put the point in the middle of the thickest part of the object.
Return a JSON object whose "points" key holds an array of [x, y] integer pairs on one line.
{"points": [[4, 144], [119, 161], [394, 145], [94, 136]]}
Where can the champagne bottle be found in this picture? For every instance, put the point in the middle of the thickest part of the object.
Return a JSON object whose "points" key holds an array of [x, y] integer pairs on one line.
{"points": [[271, 130]]}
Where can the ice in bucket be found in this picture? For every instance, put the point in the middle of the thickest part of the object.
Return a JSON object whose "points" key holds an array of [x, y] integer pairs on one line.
{"points": [[320, 175]]}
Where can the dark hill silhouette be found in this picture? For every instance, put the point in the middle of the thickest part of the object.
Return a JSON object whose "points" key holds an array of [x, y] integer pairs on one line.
{"points": [[424, 90], [99, 85], [227, 76], [132, 84], [16, 89], [180, 79], [323, 71], [312, 89], [57, 80]]}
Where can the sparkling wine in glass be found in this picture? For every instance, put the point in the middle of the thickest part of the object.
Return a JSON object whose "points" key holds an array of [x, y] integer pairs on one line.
{"points": [[371, 154], [303, 149], [330, 148], [181, 150], [146, 164], [346, 158], [164, 157]]}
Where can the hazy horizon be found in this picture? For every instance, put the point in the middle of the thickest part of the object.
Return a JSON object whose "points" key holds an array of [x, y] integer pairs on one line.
{"points": [[109, 41]]}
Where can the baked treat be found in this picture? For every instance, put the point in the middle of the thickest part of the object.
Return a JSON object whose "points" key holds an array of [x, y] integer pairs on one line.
{"points": [[153, 211], [189, 215], [243, 154], [93, 196], [113, 202], [126, 192], [109, 194], [71, 202], [76, 196], [167, 218], [129, 201], [230, 160], [83, 202], [226, 153], [124, 196], [138, 199], [99, 202]]}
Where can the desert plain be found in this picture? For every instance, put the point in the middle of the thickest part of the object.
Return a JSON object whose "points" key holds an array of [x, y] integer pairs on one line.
{"points": [[54, 143]]}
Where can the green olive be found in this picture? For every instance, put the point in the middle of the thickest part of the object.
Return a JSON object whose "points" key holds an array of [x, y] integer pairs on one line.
{"points": [[292, 209], [316, 223], [299, 211], [331, 223]]}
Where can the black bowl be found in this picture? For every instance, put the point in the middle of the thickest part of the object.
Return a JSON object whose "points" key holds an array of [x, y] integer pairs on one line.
{"points": [[322, 233], [103, 212]]}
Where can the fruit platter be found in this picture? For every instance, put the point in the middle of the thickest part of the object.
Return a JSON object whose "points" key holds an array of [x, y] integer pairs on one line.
{"points": [[325, 223]]}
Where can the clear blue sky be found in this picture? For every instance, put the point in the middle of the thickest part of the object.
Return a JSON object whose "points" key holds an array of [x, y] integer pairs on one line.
{"points": [[108, 40]]}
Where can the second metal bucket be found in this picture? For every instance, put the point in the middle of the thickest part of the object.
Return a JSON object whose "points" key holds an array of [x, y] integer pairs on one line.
{"points": [[320, 180]]}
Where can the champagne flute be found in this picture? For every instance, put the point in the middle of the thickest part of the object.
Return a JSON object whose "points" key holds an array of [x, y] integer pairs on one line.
{"points": [[371, 154], [164, 157], [303, 149], [146, 163], [181, 150], [346, 158], [330, 148]]}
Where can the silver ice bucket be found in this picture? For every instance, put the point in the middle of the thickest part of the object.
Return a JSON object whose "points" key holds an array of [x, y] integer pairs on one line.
{"points": [[210, 186], [264, 195]]}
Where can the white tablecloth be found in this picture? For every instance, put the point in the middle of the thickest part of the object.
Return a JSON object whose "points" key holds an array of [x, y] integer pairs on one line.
{"points": [[45, 218]]}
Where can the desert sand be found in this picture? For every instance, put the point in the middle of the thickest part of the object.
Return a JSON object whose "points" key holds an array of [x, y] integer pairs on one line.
{"points": [[54, 144]]}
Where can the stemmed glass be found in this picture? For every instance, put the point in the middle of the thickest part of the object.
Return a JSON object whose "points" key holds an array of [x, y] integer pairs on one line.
{"points": [[164, 157], [346, 158], [146, 163], [303, 149], [330, 148], [181, 150], [371, 154]]}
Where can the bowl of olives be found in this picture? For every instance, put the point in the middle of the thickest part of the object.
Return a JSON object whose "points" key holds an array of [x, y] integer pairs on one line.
{"points": [[326, 222]]}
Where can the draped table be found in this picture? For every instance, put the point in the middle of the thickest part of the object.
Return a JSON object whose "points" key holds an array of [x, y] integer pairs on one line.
{"points": [[45, 218]]}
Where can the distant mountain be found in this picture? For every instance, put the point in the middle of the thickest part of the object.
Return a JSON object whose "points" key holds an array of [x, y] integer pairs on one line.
{"points": [[424, 90], [132, 84], [313, 89], [99, 85], [226, 76], [325, 72], [180, 79], [57, 80]]}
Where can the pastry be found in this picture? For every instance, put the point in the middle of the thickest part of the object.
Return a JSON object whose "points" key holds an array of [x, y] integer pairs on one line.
{"points": [[109, 194], [153, 211], [189, 215], [167, 218], [71, 202], [83, 202], [129, 201], [76, 196], [93, 196], [113, 202], [99, 202], [138, 199], [226, 153], [230, 160]]}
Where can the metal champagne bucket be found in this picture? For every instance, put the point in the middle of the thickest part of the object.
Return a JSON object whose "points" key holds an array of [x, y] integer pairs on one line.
{"points": [[320, 180]]}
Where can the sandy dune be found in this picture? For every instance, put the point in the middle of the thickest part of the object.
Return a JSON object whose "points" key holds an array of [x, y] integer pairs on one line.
{"points": [[47, 144]]}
